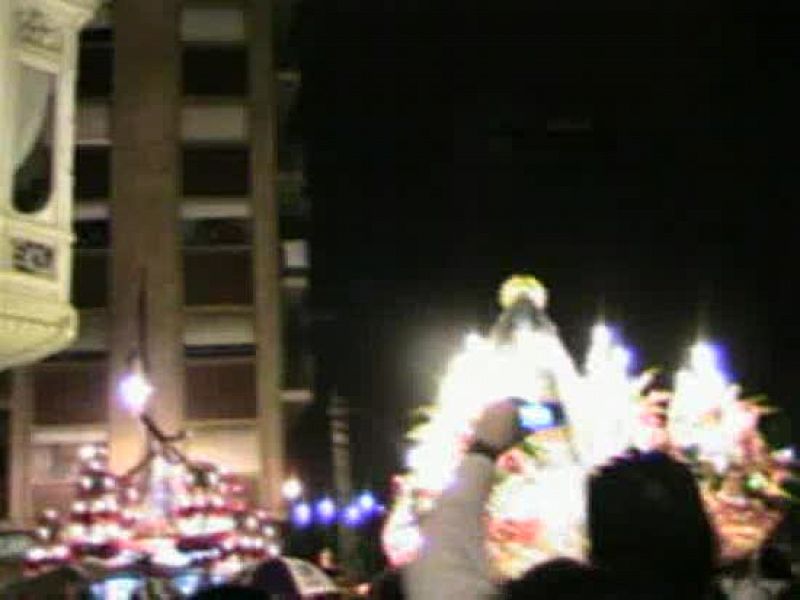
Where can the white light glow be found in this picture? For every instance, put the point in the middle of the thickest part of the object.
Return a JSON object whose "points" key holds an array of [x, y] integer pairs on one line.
{"points": [[536, 506], [704, 357], [366, 501], [36, 554], [704, 412], [135, 390], [785, 455], [87, 452], [601, 335], [292, 489]]}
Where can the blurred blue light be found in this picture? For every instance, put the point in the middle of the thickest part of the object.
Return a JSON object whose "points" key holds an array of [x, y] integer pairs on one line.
{"points": [[326, 511], [301, 515], [188, 583], [366, 501], [352, 516], [116, 587]]}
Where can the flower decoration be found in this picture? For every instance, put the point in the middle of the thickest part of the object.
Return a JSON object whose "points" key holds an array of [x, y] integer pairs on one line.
{"points": [[536, 510]]}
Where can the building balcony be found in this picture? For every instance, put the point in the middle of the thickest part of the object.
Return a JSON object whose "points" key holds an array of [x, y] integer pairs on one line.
{"points": [[38, 50]]}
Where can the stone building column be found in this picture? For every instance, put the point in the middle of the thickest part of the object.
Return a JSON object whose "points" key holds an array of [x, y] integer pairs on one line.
{"points": [[266, 253], [21, 409], [145, 235]]}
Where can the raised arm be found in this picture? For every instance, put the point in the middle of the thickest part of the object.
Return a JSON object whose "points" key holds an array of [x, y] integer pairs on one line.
{"points": [[453, 562]]}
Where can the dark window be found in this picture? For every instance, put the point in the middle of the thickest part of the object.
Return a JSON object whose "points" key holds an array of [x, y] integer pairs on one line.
{"points": [[220, 389], [218, 170], [290, 156], [217, 232], [96, 65], [295, 208], [97, 35], [218, 276], [32, 181], [285, 30], [70, 394], [92, 172], [92, 235], [215, 70], [32, 176], [289, 116], [90, 279], [297, 356]]}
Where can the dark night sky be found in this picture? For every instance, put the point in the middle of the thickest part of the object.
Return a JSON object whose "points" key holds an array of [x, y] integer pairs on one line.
{"points": [[433, 175]]}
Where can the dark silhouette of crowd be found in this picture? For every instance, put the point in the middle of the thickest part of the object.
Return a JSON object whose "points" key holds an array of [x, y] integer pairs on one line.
{"points": [[648, 533]]}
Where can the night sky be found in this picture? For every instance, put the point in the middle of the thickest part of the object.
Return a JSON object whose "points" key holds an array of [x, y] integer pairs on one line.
{"points": [[642, 163]]}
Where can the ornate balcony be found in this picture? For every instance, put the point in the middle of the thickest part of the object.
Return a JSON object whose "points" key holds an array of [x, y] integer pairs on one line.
{"points": [[38, 62]]}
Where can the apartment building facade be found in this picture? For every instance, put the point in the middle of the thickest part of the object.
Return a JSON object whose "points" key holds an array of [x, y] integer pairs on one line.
{"points": [[190, 248]]}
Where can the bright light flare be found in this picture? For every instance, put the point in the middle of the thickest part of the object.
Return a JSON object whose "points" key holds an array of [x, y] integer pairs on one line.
{"points": [[704, 357], [88, 452], [134, 391], [367, 502], [602, 335], [705, 412], [785, 455], [292, 489]]}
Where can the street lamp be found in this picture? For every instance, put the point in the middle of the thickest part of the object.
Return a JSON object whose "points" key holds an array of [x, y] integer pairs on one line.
{"points": [[292, 489], [135, 389]]}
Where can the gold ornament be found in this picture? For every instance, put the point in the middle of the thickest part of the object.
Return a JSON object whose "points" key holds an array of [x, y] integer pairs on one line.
{"points": [[518, 286]]}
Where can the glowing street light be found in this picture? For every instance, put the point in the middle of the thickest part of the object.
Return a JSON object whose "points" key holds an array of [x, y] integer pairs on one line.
{"points": [[135, 389], [302, 515], [292, 489], [367, 502], [352, 515], [326, 511]]}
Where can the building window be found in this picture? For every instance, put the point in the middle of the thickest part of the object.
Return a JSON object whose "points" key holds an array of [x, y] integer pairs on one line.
{"points": [[220, 388], [285, 30], [215, 70], [215, 276], [92, 235], [73, 393], [90, 279], [297, 356], [56, 463], [96, 64], [92, 172], [216, 170], [217, 232]]}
